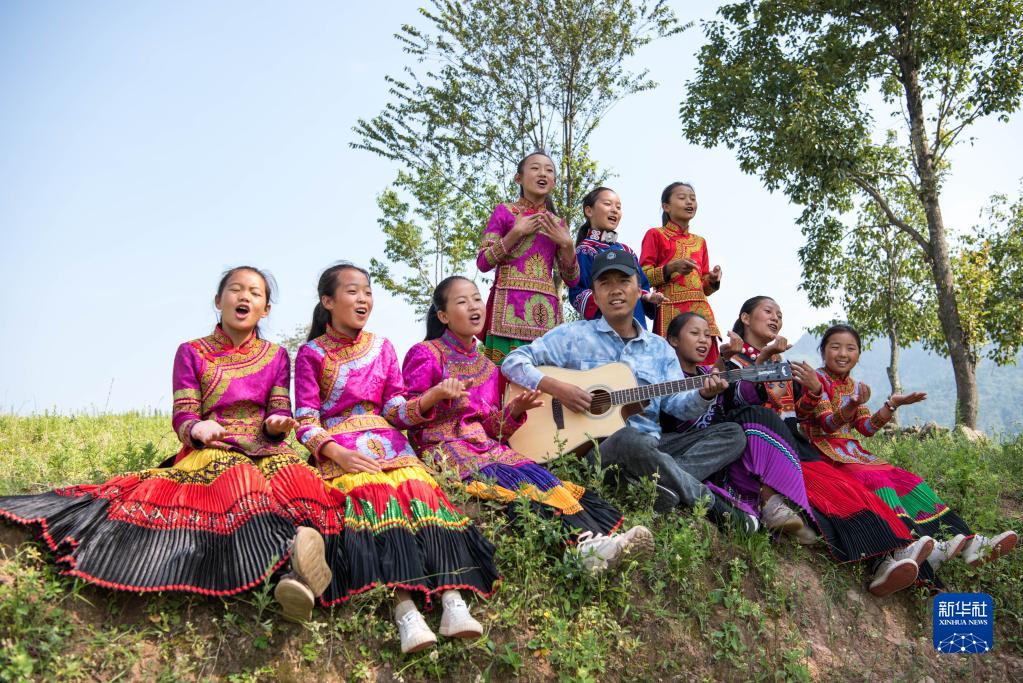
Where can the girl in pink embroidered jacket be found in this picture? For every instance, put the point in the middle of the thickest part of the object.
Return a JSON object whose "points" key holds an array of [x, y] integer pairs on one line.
{"points": [[401, 529], [523, 241]]}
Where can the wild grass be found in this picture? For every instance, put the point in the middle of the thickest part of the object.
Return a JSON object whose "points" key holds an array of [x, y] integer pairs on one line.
{"points": [[706, 605]]}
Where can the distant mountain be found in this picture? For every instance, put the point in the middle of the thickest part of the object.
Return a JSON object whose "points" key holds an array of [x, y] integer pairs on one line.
{"points": [[1000, 388]]}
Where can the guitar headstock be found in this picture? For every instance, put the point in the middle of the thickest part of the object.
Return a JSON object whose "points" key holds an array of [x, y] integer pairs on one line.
{"points": [[768, 372]]}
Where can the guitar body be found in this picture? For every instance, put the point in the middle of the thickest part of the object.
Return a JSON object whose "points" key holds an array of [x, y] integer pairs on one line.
{"points": [[552, 423]]}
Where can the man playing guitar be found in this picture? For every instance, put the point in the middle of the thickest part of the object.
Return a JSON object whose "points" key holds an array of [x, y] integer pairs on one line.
{"points": [[639, 450]]}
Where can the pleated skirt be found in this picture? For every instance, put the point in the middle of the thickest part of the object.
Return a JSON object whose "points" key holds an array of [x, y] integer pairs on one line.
{"points": [[402, 531], [576, 508], [910, 497], [214, 523]]}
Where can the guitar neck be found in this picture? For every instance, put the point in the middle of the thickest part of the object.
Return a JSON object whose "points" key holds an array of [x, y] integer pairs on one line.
{"points": [[677, 386]]}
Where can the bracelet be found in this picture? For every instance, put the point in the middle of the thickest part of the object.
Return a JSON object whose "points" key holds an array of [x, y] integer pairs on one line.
{"points": [[889, 405]]}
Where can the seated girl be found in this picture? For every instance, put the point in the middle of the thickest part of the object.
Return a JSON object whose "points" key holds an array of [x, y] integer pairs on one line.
{"points": [[602, 209], [830, 429], [768, 477], [235, 502], [401, 530], [855, 523], [470, 429]]}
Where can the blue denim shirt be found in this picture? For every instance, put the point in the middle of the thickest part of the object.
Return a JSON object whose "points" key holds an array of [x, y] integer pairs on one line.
{"points": [[588, 344]]}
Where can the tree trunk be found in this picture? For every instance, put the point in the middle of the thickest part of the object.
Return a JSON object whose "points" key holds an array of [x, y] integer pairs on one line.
{"points": [[941, 265], [893, 368]]}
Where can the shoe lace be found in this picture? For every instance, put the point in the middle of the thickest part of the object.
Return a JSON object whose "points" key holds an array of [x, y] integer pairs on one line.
{"points": [[411, 619]]}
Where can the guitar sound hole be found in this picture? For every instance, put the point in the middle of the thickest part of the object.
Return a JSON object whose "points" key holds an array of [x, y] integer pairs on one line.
{"points": [[601, 402]]}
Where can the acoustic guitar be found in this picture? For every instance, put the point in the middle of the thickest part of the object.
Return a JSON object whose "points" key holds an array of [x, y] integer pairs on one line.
{"points": [[553, 430]]}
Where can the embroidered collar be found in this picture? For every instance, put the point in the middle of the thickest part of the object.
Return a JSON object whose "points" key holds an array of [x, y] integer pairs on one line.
{"points": [[840, 379], [225, 345], [675, 227], [341, 338], [455, 344], [750, 351], [605, 236], [527, 205]]}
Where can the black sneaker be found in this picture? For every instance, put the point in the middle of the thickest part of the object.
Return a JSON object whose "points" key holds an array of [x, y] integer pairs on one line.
{"points": [[726, 515], [666, 500]]}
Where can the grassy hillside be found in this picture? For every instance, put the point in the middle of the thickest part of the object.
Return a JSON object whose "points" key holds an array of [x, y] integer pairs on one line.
{"points": [[707, 606]]}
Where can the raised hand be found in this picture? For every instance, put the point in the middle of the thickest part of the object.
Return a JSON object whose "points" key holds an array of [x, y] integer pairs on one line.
{"points": [[208, 431], [681, 266], [777, 345], [277, 425], [713, 385], [449, 389], [862, 394], [806, 376], [731, 347], [655, 298], [714, 275], [907, 399], [553, 228], [350, 461], [525, 401]]}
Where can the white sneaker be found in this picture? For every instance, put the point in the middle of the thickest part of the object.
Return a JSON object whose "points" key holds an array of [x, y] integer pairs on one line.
{"points": [[456, 622], [295, 599], [415, 634], [917, 551], [598, 552], [894, 575], [981, 549], [946, 550], [777, 516]]}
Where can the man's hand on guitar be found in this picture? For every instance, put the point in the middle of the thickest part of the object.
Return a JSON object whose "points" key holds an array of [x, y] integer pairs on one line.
{"points": [[572, 397], [713, 385], [527, 400]]}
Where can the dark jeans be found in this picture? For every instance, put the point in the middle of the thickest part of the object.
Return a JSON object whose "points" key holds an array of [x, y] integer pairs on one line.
{"points": [[681, 461]]}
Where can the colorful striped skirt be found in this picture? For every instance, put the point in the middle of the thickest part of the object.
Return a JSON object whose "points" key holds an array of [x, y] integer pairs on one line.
{"points": [[402, 531], [578, 509], [768, 459], [855, 523], [909, 496], [216, 522]]}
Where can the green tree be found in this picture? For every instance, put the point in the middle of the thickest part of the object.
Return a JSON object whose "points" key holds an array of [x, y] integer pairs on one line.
{"points": [[494, 81], [432, 231], [790, 84], [875, 272]]}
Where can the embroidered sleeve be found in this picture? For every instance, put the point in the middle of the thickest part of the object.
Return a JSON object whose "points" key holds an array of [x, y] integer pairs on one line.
{"points": [[310, 432], [279, 402], [396, 409], [421, 370], [867, 424], [581, 294], [492, 251], [650, 257], [649, 309], [708, 286], [568, 265], [187, 394]]}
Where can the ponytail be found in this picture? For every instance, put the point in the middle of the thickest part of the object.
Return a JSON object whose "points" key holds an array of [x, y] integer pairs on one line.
{"points": [[435, 329], [318, 326], [326, 287], [666, 197]]}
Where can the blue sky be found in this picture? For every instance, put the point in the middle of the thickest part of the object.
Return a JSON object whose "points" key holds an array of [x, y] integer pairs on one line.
{"points": [[149, 146]]}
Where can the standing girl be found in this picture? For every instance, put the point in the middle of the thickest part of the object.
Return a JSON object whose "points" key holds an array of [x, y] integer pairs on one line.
{"points": [[402, 531], [232, 505], [830, 429], [768, 478], [523, 241], [603, 211], [676, 262], [470, 430], [855, 523]]}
